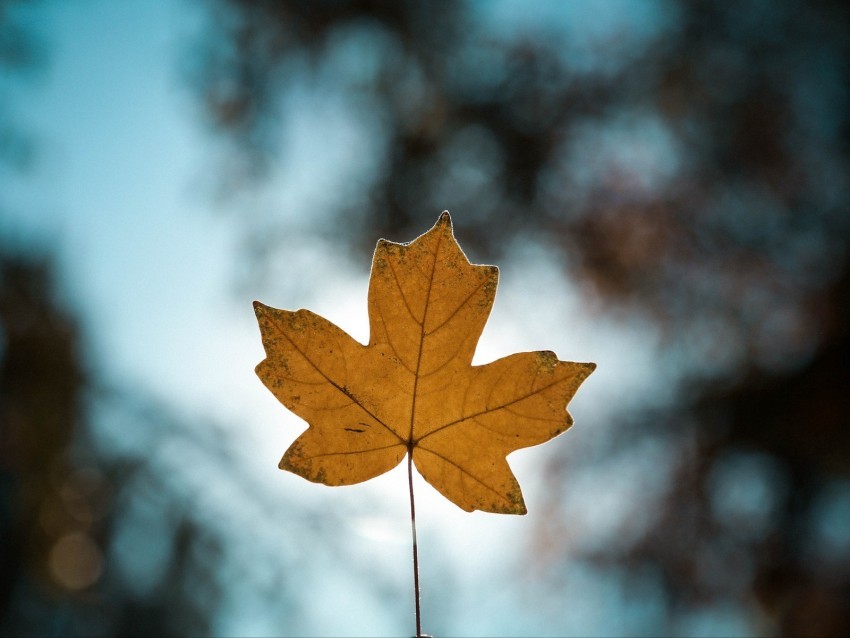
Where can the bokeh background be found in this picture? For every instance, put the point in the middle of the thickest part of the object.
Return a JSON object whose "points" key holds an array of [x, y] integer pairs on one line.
{"points": [[664, 186]]}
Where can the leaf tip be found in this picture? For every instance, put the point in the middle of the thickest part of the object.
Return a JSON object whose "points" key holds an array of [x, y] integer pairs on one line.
{"points": [[287, 461], [259, 308], [445, 218]]}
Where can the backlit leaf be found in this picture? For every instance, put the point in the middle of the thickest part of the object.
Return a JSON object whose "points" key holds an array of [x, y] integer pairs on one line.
{"points": [[413, 388]]}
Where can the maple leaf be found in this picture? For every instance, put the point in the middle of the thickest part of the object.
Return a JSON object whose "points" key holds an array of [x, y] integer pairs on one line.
{"points": [[413, 389]]}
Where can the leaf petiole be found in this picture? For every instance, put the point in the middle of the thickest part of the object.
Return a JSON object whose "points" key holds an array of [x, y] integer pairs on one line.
{"points": [[415, 551]]}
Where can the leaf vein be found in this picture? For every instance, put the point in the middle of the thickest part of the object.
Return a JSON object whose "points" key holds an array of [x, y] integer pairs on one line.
{"points": [[458, 309], [331, 381], [401, 292], [495, 409], [396, 353], [350, 452], [422, 341], [519, 415], [464, 471]]}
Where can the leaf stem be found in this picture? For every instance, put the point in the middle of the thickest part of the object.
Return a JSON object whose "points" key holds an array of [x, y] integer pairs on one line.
{"points": [[415, 552]]}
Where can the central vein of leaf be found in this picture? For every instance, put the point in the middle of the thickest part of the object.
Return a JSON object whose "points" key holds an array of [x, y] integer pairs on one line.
{"points": [[410, 441]]}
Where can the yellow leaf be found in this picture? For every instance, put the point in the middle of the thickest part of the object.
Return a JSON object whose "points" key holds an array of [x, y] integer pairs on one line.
{"points": [[414, 389]]}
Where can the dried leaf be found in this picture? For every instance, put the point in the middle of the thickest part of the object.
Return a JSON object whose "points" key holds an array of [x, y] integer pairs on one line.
{"points": [[414, 389]]}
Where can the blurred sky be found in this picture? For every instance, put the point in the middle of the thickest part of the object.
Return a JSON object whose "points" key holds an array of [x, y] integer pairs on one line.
{"points": [[120, 189]]}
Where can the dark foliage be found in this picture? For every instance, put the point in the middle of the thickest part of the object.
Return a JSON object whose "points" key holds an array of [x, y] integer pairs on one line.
{"points": [[62, 501]]}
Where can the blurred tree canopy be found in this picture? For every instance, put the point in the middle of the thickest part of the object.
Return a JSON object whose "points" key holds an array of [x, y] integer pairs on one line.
{"points": [[67, 507], [695, 173]]}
